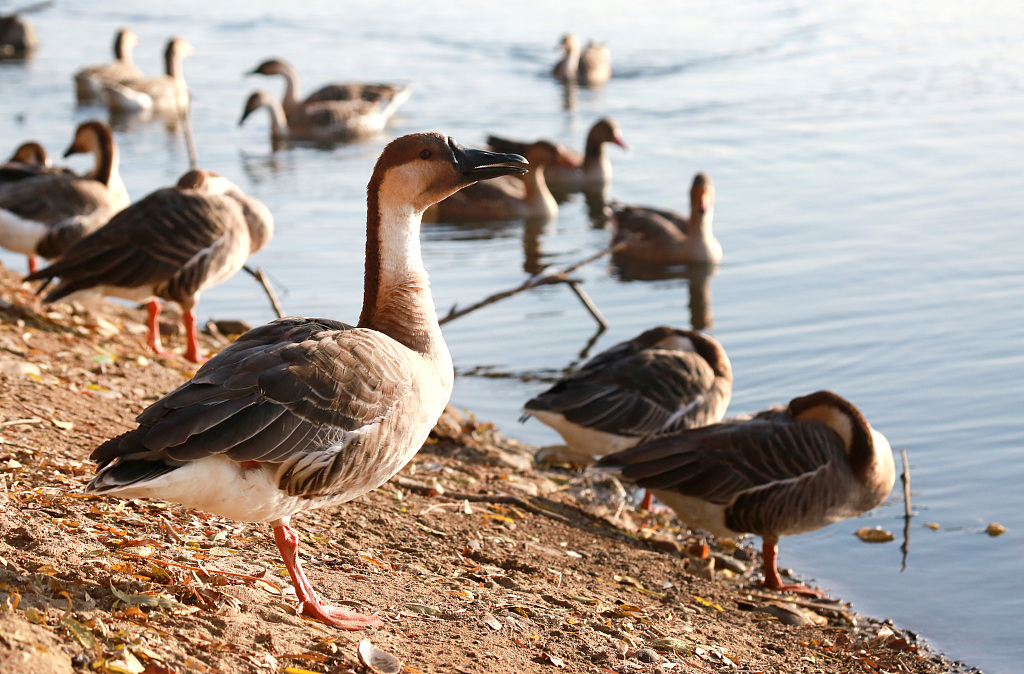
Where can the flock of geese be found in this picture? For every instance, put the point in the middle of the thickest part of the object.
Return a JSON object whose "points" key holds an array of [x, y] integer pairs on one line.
{"points": [[310, 412]]}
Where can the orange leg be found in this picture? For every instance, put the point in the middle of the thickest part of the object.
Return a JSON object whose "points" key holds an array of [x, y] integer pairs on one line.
{"points": [[153, 322], [648, 502], [772, 579], [33, 264], [309, 600], [192, 350]]}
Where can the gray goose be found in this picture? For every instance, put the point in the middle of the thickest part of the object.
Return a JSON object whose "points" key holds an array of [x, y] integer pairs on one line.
{"points": [[166, 93], [309, 412], [18, 38], [170, 245], [663, 380], [504, 199], [90, 80], [29, 160], [661, 237], [785, 471], [589, 67], [576, 172], [43, 214], [296, 107], [326, 121]]}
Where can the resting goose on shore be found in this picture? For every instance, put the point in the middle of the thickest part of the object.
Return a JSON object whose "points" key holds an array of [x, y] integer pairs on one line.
{"points": [[325, 121], [663, 380], [169, 245], [29, 160], [661, 237], [90, 80], [785, 471], [310, 412], [576, 172], [504, 199], [166, 93], [392, 95], [43, 214]]}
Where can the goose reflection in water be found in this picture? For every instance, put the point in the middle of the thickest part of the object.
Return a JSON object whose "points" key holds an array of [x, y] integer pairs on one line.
{"points": [[698, 277]]}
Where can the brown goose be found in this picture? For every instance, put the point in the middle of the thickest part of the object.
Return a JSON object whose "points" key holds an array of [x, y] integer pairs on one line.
{"points": [[18, 38], [504, 199], [325, 121], [589, 67], [170, 245], [663, 380], [307, 412], [295, 107], [661, 237], [43, 214], [565, 69], [30, 159], [576, 172], [90, 80], [165, 94], [785, 471]]}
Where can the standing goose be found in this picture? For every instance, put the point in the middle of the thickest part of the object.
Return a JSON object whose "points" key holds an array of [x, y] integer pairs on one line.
{"points": [[166, 93], [294, 106], [170, 245], [325, 121], [90, 80], [44, 214], [504, 199], [663, 380], [576, 172], [308, 412], [662, 237], [786, 471]]}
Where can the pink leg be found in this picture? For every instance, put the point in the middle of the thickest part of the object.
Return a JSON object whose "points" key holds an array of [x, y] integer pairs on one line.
{"points": [[192, 350], [772, 579], [153, 321], [648, 501], [309, 600], [33, 264]]}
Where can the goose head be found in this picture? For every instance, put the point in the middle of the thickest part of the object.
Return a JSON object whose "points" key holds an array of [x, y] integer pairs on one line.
{"points": [[31, 153], [421, 169], [271, 67], [570, 43], [124, 42], [544, 153], [258, 99], [606, 130], [91, 137], [177, 49], [702, 194]]}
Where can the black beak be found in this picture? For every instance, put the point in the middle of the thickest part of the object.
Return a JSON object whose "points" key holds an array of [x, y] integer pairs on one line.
{"points": [[480, 164], [70, 151]]}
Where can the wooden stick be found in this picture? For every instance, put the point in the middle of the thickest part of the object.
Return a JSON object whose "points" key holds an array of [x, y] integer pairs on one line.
{"points": [[588, 303], [190, 141], [503, 499], [271, 295], [533, 282], [906, 484]]}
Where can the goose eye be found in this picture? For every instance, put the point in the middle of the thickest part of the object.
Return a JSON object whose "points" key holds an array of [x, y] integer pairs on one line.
{"points": [[426, 154]]}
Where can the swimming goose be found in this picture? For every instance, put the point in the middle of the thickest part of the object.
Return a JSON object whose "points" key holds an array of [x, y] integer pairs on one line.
{"points": [[309, 412], [386, 94], [508, 199], [18, 38], [567, 66], [576, 172], [590, 67], [663, 380], [44, 214], [785, 471], [325, 121], [89, 81], [170, 245], [166, 93], [662, 237]]}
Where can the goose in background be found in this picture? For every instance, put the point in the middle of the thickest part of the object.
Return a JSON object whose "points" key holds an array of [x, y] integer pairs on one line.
{"points": [[30, 159], [90, 80], [294, 106], [575, 172], [660, 237], [588, 67], [18, 38], [44, 211], [663, 380], [326, 121], [166, 93], [310, 412], [785, 471], [504, 199], [170, 245]]}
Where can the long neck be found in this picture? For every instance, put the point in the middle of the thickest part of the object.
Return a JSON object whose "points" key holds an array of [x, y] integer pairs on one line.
{"points": [[122, 51], [700, 222], [538, 196], [106, 161], [594, 153], [172, 62], [278, 121], [291, 86], [396, 292]]}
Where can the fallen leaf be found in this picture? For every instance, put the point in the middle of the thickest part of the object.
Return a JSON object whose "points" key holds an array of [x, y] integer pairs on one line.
{"points": [[424, 609], [995, 529], [557, 662], [63, 425], [874, 535], [376, 660]]}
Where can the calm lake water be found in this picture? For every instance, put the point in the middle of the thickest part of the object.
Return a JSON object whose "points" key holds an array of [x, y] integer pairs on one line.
{"points": [[868, 162]]}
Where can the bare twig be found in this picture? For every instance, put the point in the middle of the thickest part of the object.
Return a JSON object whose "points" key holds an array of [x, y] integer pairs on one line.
{"points": [[271, 295], [589, 304], [502, 499], [905, 548], [190, 141], [539, 280]]}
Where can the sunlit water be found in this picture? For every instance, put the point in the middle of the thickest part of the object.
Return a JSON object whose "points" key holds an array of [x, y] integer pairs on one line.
{"points": [[868, 162]]}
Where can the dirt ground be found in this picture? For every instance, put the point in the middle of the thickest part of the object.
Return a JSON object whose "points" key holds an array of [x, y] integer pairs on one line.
{"points": [[477, 561]]}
